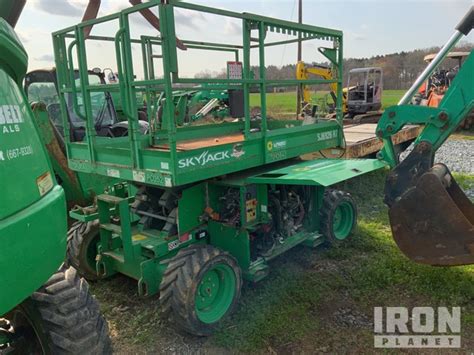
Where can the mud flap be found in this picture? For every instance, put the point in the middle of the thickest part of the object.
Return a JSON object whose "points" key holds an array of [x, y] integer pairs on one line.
{"points": [[432, 222]]}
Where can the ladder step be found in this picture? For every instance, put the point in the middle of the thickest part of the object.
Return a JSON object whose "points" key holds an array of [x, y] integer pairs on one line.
{"points": [[112, 228], [114, 200]]}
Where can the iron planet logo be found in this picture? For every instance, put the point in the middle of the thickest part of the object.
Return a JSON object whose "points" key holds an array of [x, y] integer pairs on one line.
{"points": [[420, 327]]}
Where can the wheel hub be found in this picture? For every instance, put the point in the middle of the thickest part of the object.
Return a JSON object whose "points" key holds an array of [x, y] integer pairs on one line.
{"points": [[209, 289], [215, 293], [343, 220]]}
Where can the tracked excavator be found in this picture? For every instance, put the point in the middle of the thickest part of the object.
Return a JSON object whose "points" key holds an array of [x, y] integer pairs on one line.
{"points": [[430, 216], [361, 98]]}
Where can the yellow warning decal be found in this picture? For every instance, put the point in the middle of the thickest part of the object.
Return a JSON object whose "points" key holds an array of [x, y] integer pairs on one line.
{"points": [[45, 183], [138, 237]]}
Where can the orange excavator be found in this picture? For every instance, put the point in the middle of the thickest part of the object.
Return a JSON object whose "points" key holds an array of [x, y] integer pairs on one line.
{"points": [[432, 91]]}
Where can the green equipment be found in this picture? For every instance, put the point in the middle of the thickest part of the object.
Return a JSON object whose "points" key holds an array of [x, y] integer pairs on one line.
{"points": [[215, 202], [41, 89], [44, 307], [432, 220], [195, 105], [109, 120]]}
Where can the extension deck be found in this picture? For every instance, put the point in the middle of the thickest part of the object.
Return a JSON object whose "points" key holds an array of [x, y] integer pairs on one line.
{"points": [[362, 142]]}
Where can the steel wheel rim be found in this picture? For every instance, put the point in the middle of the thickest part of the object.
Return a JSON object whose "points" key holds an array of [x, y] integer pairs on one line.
{"points": [[215, 293], [29, 342], [343, 220]]}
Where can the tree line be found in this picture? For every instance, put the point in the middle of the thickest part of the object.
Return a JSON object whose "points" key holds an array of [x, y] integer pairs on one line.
{"points": [[399, 69]]}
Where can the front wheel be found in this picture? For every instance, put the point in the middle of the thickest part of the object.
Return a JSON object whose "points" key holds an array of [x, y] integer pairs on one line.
{"points": [[200, 287], [338, 216], [61, 317]]}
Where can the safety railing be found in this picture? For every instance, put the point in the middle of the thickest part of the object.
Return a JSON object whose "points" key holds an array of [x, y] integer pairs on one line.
{"points": [[157, 90]]}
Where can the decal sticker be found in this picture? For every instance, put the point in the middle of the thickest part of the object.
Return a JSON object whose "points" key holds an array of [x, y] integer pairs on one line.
{"points": [[45, 183], [139, 237], [237, 151], [173, 245], [324, 136], [205, 158], [16, 152], [138, 176], [10, 117], [165, 166], [185, 237], [113, 173], [277, 155], [154, 178], [200, 235], [276, 145]]}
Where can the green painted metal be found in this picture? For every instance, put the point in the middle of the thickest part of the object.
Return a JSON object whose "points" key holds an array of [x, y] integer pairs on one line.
{"points": [[215, 293], [14, 59], [325, 172], [141, 252], [68, 178], [343, 221], [234, 157], [136, 158], [440, 122], [80, 188], [33, 210]]}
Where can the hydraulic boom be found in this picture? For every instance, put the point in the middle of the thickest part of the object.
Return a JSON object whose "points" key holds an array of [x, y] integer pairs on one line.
{"points": [[431, 218]]}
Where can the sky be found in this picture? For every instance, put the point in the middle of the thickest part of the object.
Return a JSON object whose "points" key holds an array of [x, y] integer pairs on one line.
{"points": [[370, 27]]}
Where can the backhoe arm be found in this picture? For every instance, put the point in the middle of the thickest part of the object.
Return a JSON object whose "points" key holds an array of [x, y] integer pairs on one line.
{"points": [[432, 220], [440, 122]]}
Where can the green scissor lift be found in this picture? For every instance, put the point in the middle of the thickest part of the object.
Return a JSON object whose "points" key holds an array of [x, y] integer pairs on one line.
{"points": [[215, 202], [45, 307]]}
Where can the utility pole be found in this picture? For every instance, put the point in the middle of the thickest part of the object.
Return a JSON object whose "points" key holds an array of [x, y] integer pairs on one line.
{"points": [[298, 93]]}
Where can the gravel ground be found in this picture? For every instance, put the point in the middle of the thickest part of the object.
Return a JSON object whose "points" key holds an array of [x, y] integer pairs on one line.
{"points": [[458, 155]]}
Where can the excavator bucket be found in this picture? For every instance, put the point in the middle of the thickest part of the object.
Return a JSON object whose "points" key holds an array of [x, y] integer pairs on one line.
{"points": [[432, 223]]}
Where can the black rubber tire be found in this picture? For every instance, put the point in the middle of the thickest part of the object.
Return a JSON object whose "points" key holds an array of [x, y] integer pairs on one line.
{"points": [[79, 237], [180, 280], [331, 201], [66, 317]]}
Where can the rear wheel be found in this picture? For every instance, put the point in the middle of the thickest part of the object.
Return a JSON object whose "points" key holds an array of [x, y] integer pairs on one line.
{"points": [[61, 317], [338, 216], [82, 240], [200, 287]]}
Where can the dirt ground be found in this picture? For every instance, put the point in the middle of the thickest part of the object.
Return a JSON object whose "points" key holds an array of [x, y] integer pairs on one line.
{"points": [[314, 301]]}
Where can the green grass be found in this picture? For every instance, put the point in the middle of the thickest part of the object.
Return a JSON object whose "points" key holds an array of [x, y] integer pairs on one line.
{"points": [[295, 305], [285, 103], [391, 97], [469, 135], [295, 309], [464, 180]]}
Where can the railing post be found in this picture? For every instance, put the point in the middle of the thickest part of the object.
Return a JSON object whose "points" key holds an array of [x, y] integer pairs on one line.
{"points": [[84, 80], [263, 74], [246, 74]]}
